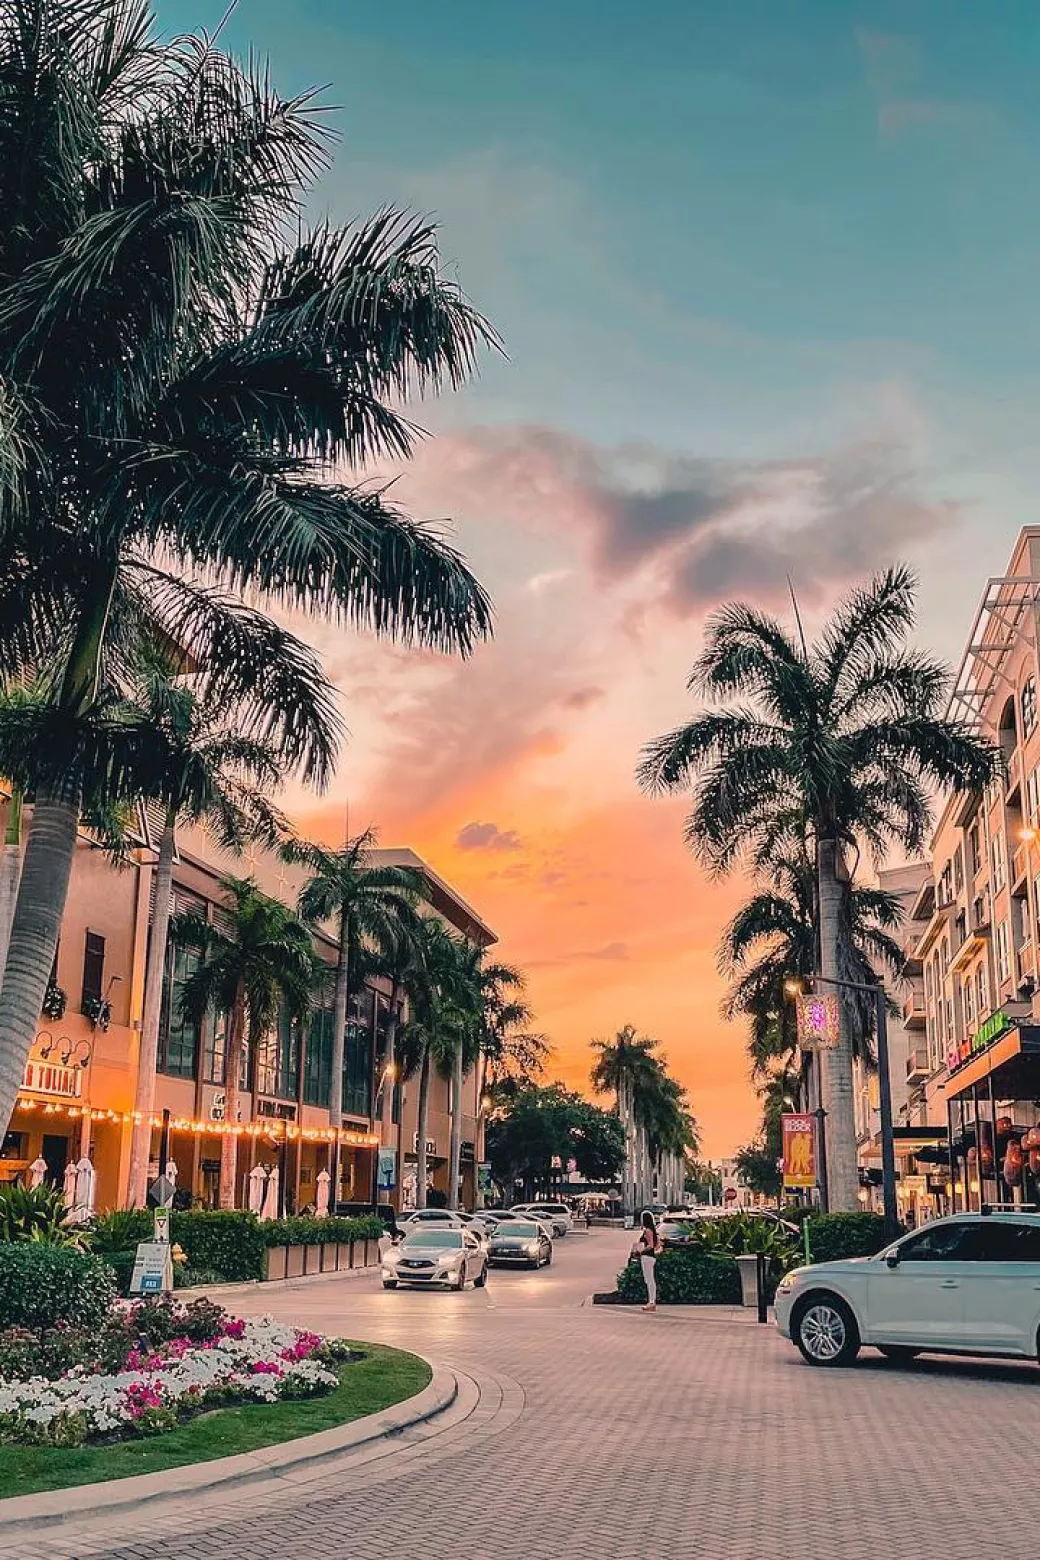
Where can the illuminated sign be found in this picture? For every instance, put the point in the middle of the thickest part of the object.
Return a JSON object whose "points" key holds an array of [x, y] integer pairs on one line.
{"points": [[996, 1025], [52, 1078], [819, 1021]]}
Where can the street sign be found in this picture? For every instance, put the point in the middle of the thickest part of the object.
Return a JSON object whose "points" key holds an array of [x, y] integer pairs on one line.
{"points": [[799, 1161], [161, 1192], [161, 1225], [153, 1268], [819, 1021]]}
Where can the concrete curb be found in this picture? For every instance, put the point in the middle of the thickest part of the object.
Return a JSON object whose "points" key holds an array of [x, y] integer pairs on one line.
{"points": [[53, 1507]]}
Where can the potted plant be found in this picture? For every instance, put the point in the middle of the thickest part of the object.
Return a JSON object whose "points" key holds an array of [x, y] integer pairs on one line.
{"points": [[54, 1002], [97, 1011]]}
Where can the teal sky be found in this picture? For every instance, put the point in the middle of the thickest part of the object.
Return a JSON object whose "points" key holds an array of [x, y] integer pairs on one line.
{"points": [[766, 272]]}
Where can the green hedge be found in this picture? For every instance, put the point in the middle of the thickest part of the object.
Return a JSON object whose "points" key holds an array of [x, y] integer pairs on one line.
{"points": [[43, 1285], [834, 1236], [308, 1231], [685, 1277], [226, 1245]]}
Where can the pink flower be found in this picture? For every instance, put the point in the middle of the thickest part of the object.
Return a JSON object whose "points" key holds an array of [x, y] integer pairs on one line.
{"points": [[265, 1368], [235, 1328]]}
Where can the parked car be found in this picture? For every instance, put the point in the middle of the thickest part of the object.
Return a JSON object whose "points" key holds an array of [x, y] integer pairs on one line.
{"points": [[429, 1255], [673, 1232], [557, 1213], [969, 1284], [519, 1244]]}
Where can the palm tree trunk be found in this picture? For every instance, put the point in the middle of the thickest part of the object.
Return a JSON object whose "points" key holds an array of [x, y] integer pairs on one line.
{"points": [[386, 1119], [836, 1072], [455, 1151], [10, 872], [420, 1129], [144, 1094], [35, 928], [339, 1036], [236, 1029]]}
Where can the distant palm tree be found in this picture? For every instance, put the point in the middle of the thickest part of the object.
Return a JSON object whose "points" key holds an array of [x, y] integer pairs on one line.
{"points": [[628, 1068], [365, 902], [773, 937], [844, 741], [433, 1031], [254, 960], [190, 379]]}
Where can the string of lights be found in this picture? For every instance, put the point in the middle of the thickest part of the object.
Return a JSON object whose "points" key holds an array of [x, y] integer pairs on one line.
{"points": [[264, 1127]]}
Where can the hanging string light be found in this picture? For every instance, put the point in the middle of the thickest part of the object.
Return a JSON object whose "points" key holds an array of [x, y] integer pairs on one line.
{"points": [[260, 1127]]}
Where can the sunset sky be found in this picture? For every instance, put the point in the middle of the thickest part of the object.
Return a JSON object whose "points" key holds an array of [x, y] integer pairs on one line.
{"points": [[766, 277]]}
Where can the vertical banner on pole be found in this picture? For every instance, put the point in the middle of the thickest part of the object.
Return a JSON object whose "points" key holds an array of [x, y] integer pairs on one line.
{"points": [[799, 1150]]}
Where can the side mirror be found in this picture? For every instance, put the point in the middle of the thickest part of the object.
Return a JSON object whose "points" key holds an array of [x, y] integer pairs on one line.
{"points": [[892, 1257]]}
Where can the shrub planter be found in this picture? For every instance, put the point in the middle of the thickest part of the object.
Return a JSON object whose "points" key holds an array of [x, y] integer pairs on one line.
{"points": [[312, 1258], [277, 1263], [334, 1256]]}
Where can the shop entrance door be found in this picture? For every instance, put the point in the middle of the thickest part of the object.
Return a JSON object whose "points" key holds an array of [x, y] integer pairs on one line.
{"points": [[56, 1154]]}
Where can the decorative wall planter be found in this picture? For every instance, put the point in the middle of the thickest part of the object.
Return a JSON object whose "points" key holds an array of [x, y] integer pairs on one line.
{"points": [[329, 1257]]}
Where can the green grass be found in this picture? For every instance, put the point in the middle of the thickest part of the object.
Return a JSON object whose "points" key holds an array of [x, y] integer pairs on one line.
{"points": [[382, 1378]]}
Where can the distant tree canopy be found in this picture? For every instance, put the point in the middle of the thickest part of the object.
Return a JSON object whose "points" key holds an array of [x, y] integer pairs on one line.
{"points": [[532, 1126]]}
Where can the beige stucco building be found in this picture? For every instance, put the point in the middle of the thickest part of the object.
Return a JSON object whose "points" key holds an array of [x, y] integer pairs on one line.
{"points": [[79, 1086]]}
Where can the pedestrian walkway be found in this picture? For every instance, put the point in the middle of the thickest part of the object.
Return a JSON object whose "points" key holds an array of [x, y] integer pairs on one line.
{"points": [[600, 1433]]}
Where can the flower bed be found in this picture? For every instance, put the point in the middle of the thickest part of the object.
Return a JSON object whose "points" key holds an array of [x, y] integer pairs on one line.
{"points": [[152, 1365]]}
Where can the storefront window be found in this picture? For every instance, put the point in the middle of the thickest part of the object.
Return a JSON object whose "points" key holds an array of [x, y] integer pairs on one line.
{"points": [[317, 1065], [178, 1036]]}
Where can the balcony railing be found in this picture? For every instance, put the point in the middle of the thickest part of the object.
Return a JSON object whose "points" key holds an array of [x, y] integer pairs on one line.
{"points": [[917, 1068], [913, 1010]]}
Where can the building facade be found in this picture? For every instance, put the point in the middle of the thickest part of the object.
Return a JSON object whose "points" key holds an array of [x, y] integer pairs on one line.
{"points": [[79, 1086], [975, 1074]]}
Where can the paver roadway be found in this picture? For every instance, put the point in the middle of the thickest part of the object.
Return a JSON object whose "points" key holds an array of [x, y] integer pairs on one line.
{"points": [[603, 1432]]}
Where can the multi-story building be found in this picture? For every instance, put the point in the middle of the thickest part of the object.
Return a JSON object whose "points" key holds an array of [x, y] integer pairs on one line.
{"points": [[78, 1091], [976, 1080]]}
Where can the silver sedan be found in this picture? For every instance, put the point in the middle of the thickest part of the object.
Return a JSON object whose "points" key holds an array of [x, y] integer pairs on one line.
{"points": [[436, 1256]]}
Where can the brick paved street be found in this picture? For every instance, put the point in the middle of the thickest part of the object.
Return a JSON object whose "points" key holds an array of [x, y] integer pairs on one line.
{"points": [[602, 1433]]}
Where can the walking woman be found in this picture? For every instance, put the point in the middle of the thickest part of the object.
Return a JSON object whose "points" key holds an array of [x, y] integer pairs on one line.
{"points": [[647, 1248]]}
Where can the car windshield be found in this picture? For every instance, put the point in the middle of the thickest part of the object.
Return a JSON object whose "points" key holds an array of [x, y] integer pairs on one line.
{"points": [[434, 1238], [517, 1228]]}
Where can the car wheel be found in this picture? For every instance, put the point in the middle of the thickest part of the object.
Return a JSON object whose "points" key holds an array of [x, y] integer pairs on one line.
{"points": [[898, 1353], [825, 1331], [389, 1283], [548, 1257], [481, 1278]]}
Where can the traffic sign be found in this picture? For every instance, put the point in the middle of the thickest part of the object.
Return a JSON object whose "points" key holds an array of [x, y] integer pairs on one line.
{"points": [[161, 1193]]}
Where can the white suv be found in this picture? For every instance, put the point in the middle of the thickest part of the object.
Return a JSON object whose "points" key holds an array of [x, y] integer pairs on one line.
{"points": [[558, 1214], [964, 1285]]}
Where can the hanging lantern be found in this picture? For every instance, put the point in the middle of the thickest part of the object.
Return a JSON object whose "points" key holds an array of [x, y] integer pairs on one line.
{"points": [[1013, 1163]]}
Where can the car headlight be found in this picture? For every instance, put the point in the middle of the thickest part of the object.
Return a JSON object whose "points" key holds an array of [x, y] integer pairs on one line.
{"points": [[785, 1286], [533, 1249]]}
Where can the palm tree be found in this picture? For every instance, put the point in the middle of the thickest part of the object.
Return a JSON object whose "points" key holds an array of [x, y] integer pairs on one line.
{"points": [[436, 1023], [367, 903], [220, 779], [843, 740], [773, 937], [259, 960], [628, 1067], [489, 1007], [178, 385]]}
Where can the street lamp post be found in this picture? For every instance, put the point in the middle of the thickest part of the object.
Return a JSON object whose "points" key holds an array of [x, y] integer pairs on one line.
{"points": [[888, 1152], [884, 1097]]}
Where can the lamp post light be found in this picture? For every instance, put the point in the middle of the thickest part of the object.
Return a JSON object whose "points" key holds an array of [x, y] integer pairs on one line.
{"points": [[888, 1153]]}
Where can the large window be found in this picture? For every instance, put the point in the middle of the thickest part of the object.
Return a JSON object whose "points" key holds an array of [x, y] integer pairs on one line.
{"points": [[317, 1065], [1028, 701], [213, 1049], [997, 856], [357, 1056], [278, 1059], [1003, 951], [93, 968], [178, 1036]]}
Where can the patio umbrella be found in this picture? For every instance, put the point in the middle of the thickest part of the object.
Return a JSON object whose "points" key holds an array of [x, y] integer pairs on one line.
{"points": [[86, 1188], [257, 1182], [37, 1171], [68, 1185], [270, 1206], [322, 1203]]}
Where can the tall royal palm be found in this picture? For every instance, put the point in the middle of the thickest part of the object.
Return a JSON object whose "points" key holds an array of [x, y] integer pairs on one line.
{"points": [[843, 739], [259, 960], [220, 779], [774, 937], [490, 1008], [189, 380], [367, 903]]}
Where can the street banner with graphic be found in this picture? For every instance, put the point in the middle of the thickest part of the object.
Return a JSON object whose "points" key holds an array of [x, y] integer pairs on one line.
{"points": [[799, 1150], [819, 1021]]}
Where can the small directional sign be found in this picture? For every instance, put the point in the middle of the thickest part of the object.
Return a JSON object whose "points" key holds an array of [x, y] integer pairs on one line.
{"points": [[161, 1192]]}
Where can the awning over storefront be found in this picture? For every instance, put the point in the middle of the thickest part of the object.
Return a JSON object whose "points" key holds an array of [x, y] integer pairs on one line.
{"points": [[1012, 1062], [914, 1140]]}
